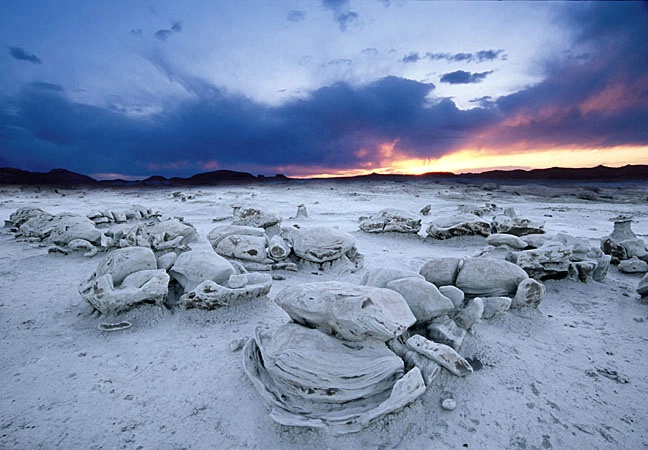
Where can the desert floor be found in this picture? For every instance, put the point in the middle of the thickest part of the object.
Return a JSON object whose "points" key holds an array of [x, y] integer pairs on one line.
{"points": [[570, 375]]}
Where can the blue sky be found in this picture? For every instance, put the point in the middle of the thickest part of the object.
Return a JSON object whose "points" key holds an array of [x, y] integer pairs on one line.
{"points": [[321, 87]]}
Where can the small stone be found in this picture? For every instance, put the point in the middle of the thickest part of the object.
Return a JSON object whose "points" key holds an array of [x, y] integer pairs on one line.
{"points": [[471, 314], [237, 344], [633, 265], [455, 294], [444, 355], [237, 281], [529, 293], [449, 404], [444, 330]]}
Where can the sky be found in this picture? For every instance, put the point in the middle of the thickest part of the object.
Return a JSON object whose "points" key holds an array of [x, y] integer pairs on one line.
{"points": [[131, 89]]}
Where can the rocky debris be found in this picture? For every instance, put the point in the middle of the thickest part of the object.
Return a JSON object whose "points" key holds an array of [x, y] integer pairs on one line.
{"points": [[241, 287], [442, 354], [64, 232], [458, 225], [444, 330], [391, 220], [108, 217], [510, 223], [623, 243], [172, 234], [253, 217], [551, 256], [123, 279]]}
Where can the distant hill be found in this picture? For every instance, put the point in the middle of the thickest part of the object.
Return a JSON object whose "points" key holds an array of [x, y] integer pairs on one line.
{"points": [[62, 177]]}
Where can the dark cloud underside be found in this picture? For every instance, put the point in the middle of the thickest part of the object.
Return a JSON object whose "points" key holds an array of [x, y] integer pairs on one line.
{"points": [[23, 55], [463, 77]]}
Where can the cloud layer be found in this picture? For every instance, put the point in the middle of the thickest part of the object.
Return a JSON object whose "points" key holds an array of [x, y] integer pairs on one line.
{"points": [[594, 98]]}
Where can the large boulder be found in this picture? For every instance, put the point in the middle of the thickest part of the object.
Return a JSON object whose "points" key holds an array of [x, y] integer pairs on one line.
{"points": [[458, 225], [441, 271], [423, 298], [348, 311], [192, 268], [487, 277]]}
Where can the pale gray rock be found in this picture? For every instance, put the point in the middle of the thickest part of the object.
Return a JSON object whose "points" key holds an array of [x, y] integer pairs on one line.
{"points": [[495, 306], [22, 215], [391, 219], [238, 280], [68, 227], [506, 239], [642, 286], [123, 262], [429, 369], [441, 271], [216, 235], [76, 245], [602, 267], [253, 217], [348, 311], [107, 297], [243, 247], [381, 276], [489, 277], [458, 225], [444, 355], [444, 330], [211, 295], [449, 404], [278, 248], [552, 260], [633, 265], [529, 293], [423, 298], [455, 294], [166, 260], [314, 380], [510, 223], [192, 268], [319, 244], [470, 314]]}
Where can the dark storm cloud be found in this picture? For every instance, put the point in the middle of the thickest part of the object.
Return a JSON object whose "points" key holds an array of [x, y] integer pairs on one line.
{"points": [[295, 15], [411, 58], [24, 55], [600, 101], [326, 129], [480, 56], [463, 77], [47, 86], [163, 35]]}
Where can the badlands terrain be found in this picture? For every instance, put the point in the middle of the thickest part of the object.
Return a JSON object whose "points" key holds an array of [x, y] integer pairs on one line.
{"points": [[569, 374]]}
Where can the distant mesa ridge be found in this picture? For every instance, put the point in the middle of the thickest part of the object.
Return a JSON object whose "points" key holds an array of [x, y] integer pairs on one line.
{"points": [[63, 177]]}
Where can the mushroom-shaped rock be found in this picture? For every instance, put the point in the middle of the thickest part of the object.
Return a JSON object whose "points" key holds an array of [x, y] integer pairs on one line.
{"points": [[192, 268], [348, 311], [487, 277], [441, 271], [458, 225], [391, 219], [315, 380], [423, 298], [381, 276], [241, 287]]}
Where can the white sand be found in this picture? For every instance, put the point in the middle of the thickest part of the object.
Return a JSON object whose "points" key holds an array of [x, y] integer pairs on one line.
{"points": [[551, 378]]}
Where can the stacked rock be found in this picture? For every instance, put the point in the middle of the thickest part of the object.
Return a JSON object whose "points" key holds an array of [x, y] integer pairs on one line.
{"points": [[345, 360], [625, 248]]}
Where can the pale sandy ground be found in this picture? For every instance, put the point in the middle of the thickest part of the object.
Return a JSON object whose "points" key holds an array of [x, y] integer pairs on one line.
{"points": [[571, 375]]}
